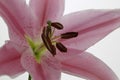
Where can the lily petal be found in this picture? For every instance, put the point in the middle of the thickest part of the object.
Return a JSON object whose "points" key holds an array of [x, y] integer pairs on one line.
{"points": [[67, 55], [91, 25], [87, 66], [10, 61], [46, 70], [47, 9], [18, 17], [51, 66]]}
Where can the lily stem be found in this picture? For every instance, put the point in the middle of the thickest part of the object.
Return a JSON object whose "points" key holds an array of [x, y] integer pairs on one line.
{"points": [[29, 77]]}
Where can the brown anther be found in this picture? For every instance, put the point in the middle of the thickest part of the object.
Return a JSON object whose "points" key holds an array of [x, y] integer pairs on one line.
{"points": [[61, 47], [53, 50], [57, 25], [49, 39], [49, 31], [47, 42], [45, 33], [69, 35]]}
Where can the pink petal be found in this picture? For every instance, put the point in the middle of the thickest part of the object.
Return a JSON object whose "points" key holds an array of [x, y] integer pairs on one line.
{"points": [[47, 9], [48, 69], [67, 55], [10, 61], [18, 17], [87, 66], [51, 67], [92, 26]]}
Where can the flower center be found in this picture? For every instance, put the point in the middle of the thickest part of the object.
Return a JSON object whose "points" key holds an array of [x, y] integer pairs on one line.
{"points": [[49, 41]]}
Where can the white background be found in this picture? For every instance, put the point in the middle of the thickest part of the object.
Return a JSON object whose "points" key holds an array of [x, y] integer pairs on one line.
{"points": [[107, 49]]}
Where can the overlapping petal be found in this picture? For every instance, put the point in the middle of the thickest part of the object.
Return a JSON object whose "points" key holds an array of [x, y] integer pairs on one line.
{"points": [[48, 69], [19, 17], [87, 66], [47, 9], [10, 61], [92, 26], [67, 55]]}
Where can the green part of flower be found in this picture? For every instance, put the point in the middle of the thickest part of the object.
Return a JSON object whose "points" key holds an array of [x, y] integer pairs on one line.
{"points": [[29, 77], [49, 23], [30, 42], [37, 48], [39, 53]]}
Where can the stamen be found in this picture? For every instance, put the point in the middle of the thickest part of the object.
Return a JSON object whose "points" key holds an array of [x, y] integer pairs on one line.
{"points": [[56, 37], [54, 50], [57, 25], [49, 31], [69, 35], [61, 47], [47, 42]]}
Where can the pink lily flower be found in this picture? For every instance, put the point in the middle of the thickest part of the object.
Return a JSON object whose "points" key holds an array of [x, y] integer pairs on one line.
{"points": [[35, 41]]}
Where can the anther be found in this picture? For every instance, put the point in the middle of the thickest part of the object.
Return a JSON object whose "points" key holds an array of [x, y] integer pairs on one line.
{"points": [[48, 39], [53, 51], [47, 42], [57, 25], [69, 35], [49, 31], [61, 47]]}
